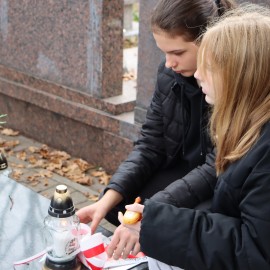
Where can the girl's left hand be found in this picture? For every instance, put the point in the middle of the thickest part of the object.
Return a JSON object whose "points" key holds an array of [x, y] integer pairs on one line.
{"points": [[125, 239]]}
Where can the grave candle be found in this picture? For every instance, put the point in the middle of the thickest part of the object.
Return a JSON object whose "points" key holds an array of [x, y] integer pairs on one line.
{"points": [[61, 228]]}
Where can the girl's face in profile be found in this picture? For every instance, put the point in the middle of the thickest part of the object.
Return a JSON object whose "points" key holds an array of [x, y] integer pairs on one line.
{"points": [[180, 54], [205, 80]]}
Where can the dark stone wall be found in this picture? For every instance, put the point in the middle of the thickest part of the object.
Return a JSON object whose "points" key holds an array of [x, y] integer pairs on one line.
{"points": [[77, 44]]}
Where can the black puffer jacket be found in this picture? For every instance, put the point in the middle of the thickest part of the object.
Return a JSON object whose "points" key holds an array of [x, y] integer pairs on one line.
{"points": [[174, 132], [235, 235]]}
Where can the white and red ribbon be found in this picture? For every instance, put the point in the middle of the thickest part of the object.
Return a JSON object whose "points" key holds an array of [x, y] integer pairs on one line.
{"points": [[93, 254]]}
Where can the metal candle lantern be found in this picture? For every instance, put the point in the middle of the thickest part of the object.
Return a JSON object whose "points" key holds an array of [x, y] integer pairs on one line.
{"points": [[3, 162], [61, 232]]}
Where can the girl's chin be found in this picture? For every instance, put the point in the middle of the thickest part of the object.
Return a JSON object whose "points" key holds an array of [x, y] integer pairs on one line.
{"points": [[209, 100], [186, 73]]}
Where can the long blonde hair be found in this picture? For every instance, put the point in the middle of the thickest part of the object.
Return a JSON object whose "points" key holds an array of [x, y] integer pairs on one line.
{"points": [[237, 48]]}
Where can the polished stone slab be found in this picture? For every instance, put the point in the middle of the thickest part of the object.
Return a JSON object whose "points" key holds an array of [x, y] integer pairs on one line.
{"points": [[22, 212]]}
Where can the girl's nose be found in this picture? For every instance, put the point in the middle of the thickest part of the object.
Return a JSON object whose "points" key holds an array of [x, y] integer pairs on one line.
{"points": [[197, 75], [170, 63]]}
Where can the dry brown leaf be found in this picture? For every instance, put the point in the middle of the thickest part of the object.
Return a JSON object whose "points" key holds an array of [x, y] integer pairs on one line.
{"points": [[65, 169], [59, 154], [21, 155], [7, 145], [44, 151], [33, 149], [15, 165], [83, 165], [104, 179], [128, 76], [85, 180], [60, 172], [2, 144], [16, 174], [44, 173], [56, 164], [39, 163], [46, 182], [97, 173], [9, 132], [32, 177], [76, 177], [93, 198], [73, 169], [32, 159]]}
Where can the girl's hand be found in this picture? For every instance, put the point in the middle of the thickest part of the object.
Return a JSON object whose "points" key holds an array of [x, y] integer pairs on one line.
{"points": [[125, 239], [124, 242], [131, 217], [136, 207]]}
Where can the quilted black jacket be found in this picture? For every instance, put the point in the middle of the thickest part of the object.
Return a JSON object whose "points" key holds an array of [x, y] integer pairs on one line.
{"points": [[166, 139], [235, 235]]}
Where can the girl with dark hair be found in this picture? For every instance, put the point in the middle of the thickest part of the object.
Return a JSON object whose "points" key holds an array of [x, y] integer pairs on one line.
{"points": [[172, 161], [233, 70]]}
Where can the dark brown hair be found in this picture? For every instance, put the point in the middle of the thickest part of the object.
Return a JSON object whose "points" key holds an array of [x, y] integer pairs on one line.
{"points": [[187, 18]]}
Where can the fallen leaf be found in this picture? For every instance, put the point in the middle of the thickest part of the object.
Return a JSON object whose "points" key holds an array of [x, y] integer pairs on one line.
{"points": [[73, 171], [32, 177], [59, 155], [128, 76], [9, 132], [55, 163], [32, 159], [7, 145], [60, 172], [97, 173], [44, 151], [104, 179], [33, 149], [39, 163], [85, 180], [44, 173], [83, 165], [2, 141], [16, 174], [93, 198], [15, 165], [21, 155]]}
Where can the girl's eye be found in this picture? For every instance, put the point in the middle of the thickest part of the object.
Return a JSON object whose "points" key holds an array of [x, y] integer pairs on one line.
{"points": [[178, 53]]}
